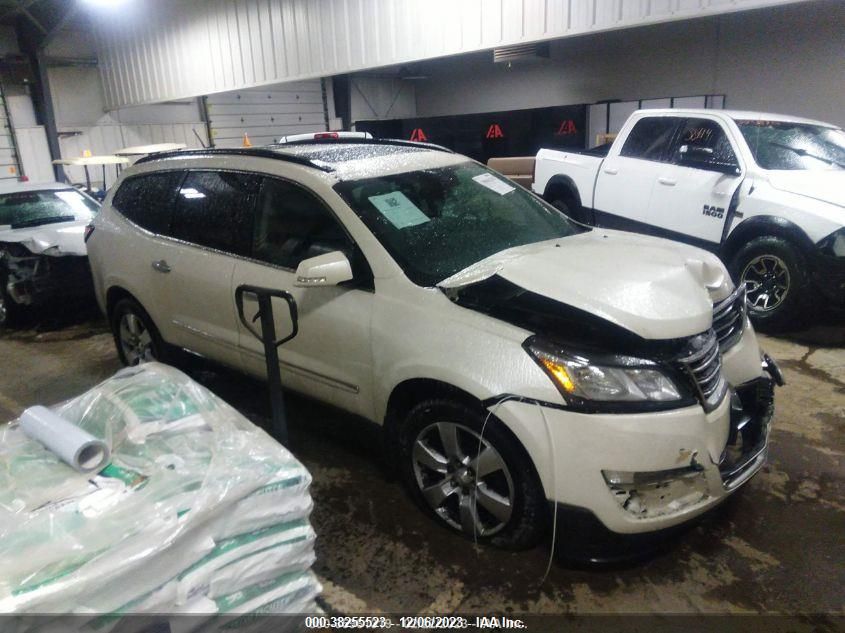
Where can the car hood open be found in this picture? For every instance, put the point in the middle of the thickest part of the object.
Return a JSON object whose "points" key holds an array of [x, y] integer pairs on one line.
{"points": [[69, 237], [826, 186], [652, 287]]}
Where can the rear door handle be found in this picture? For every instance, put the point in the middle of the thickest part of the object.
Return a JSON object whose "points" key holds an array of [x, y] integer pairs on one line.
{"points": [[611, 170], [161, 266], [669, 182]]}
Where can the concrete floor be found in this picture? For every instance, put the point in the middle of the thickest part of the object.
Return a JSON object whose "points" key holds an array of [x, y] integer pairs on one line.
{"points": [[778, 546]]}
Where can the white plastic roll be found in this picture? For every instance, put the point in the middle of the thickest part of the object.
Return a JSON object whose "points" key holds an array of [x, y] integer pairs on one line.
{"points": [[77, 448]]}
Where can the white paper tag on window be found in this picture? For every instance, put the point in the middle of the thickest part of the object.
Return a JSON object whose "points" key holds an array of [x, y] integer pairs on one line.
{"points": [[493, 184], [399, 210]]}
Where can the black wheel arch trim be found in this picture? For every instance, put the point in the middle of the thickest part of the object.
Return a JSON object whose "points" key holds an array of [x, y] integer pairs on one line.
{"points": [[559, 181], [765, 226]]}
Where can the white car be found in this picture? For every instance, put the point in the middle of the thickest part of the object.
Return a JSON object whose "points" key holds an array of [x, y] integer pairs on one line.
{"points": [[766, 192], [42, 247], [520, 364]]}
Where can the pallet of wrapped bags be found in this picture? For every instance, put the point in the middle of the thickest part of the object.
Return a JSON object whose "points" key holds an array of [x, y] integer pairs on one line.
{"points": [[198, 511]]}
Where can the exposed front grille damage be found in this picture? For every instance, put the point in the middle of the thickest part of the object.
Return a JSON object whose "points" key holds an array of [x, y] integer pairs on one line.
{"points": [[34, 279], [702, 363], [729, 318], [752, 407]]}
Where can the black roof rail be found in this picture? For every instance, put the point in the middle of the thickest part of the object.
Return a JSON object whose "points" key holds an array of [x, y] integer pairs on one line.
{"points": [[364, 141], [257, 152]]}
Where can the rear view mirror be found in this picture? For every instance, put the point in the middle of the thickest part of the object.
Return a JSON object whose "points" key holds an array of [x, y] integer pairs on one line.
{"points": [[330, 269], [699, 157]]}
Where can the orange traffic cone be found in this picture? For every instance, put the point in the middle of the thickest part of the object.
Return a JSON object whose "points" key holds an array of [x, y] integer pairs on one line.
{"points": [[247, 142]]}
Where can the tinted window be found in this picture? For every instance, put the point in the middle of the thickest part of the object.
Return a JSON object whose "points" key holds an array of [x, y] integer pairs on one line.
{"points": [[292, 224], [215, 209], [707, 134], [650, 138], [146, 200]]}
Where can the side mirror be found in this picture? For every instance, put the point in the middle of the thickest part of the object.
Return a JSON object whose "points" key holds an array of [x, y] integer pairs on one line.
{"points": [[330, 269], [699, 157]]}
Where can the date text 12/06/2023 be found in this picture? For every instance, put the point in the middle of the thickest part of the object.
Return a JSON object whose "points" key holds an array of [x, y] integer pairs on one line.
{"points": [[413, 622]]}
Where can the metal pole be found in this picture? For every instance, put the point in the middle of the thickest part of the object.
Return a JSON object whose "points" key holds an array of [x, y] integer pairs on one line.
{"points": [[274, 378]]}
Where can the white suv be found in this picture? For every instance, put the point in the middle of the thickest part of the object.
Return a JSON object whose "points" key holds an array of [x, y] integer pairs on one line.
{"points": [[520, 364]]}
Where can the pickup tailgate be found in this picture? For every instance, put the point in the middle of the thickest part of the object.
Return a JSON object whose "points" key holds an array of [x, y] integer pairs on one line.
{"points": [[580, 168]]}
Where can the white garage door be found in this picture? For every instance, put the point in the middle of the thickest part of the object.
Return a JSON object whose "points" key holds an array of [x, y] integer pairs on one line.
{"points": [[265, 114]]}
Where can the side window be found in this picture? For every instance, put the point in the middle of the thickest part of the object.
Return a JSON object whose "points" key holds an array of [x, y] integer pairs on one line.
{"points": [[650, 138], [292, 224], [147, 199], [706, 134], [215, 209]]}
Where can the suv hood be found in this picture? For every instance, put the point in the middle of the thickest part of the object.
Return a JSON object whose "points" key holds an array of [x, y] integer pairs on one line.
{"points": [[69, 237], [826, 186], [652, 287]]}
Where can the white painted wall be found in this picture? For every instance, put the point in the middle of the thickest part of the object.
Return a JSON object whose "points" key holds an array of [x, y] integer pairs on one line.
{"points": [[165, 49], [788, 59], [85, 124], [375, 98]]}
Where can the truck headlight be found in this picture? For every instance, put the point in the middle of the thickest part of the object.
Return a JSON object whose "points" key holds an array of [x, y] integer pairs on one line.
{"points": [[621, 380], [834, 244]]}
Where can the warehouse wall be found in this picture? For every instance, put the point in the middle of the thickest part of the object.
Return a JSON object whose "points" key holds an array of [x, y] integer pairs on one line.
{"points": [[783, 59], [84, 123], [167, 49]]}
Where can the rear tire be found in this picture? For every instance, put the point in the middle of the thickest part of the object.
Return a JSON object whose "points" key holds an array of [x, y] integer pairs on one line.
{"points": [[490, 495], [135, 335], [777, 281], [571, 209]]}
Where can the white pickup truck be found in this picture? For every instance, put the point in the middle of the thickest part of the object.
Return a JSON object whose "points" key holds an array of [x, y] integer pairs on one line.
{"points": [[765, 192]]}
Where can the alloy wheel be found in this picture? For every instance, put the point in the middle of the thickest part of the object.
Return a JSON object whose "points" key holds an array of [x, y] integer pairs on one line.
{"points": [[135, 339], [4, 311], [766, 280], [463, 478]]}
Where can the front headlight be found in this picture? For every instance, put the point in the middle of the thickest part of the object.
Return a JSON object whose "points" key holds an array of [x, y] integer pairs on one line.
{"points": [[834, 244], [581, 379]]}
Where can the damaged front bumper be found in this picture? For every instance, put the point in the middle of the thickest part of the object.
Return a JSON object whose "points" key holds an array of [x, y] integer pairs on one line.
{"points": [[33, 280], [641, 475]]}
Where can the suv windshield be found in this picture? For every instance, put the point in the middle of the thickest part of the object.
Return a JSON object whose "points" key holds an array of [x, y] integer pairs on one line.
{"points": [[436, 222], [33, 208], [784, 145]]}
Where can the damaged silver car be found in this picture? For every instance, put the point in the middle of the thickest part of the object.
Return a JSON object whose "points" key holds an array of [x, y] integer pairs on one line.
{"points": [[42, 246]]}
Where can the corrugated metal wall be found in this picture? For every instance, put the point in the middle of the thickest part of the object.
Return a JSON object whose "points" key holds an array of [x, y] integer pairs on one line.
{"points": [[158, 50], [265, 114]]}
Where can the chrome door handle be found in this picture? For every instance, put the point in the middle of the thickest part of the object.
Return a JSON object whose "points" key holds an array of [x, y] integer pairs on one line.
{"points": [[161, 266], [667, 181], [611, 170]]}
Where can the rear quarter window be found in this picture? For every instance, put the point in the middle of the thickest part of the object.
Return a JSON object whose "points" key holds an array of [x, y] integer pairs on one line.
{"points": [[147, 199]]}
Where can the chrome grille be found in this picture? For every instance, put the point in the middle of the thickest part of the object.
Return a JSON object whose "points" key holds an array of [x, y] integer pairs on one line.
{"points": [[703, 364], [729, 318]]}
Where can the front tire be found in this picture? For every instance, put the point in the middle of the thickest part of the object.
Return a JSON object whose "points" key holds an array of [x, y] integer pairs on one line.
{"points": [[775, 275], [11, 312], [480, 484], [135, 335]]}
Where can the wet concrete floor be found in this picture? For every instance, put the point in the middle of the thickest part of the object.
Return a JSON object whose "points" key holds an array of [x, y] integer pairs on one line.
{"points": [[778, 546]]}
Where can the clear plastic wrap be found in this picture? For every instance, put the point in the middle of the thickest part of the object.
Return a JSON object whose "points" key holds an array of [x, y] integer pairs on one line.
{"points": [[190, 480]]}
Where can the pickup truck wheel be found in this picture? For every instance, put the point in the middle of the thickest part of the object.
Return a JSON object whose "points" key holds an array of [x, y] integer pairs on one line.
{"points": [[571, 210], [135, 335], [774, 272], [481, 485]]}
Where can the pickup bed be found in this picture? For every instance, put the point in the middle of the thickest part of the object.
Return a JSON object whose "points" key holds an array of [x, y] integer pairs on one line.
{"points": [[766, 192]]}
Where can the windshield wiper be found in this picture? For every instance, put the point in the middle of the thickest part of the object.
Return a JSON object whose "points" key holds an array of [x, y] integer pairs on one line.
{"points": [[803, 152], [39, 221]]}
